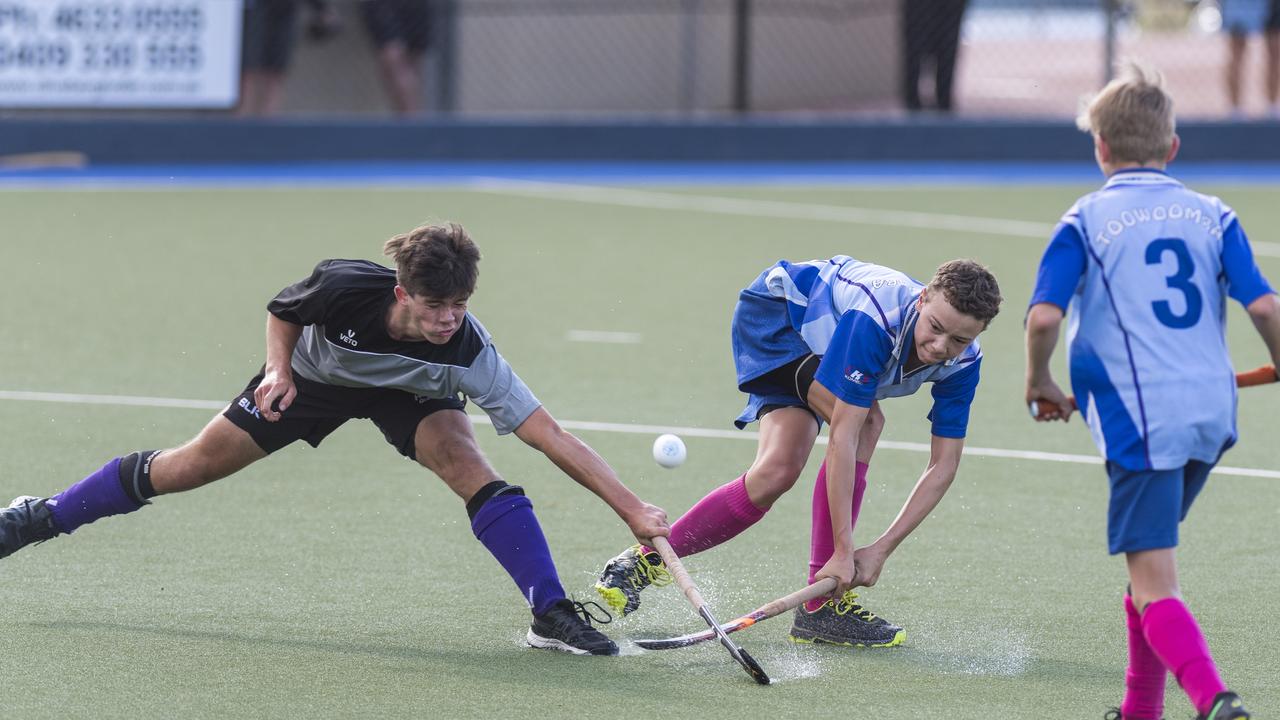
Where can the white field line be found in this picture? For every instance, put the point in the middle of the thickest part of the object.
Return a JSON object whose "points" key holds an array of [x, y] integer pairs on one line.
{"points": [[603, 195], [603, 336], [627, 428]]}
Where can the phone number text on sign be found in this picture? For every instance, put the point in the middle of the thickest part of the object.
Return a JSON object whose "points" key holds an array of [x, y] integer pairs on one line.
{"points": [[126, 53]]}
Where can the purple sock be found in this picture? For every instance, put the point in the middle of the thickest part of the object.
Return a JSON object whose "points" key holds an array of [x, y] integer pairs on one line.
{"points": [[507, 526], [93, 498]]}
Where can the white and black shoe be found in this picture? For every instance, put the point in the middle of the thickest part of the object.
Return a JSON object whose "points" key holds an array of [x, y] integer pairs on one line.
{"points": [[567, 627]]}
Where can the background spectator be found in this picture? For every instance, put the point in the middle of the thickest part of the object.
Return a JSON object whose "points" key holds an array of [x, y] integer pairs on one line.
{"points": [[1240, 19], [270, 33], [401, 32], [931, 31]]}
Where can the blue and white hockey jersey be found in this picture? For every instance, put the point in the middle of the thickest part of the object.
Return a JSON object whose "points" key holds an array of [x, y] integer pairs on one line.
{"points": [[1143, 268], [860, 318]]}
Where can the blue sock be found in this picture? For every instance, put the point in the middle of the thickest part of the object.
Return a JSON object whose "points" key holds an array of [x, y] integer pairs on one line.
{"points": [[507, 526], [97, 496]]}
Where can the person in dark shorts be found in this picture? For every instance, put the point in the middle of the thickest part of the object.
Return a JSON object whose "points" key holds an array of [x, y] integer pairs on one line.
{"points": [[269, 35], [401, 33], [930, 43], [397, 346], [1240, 19]]}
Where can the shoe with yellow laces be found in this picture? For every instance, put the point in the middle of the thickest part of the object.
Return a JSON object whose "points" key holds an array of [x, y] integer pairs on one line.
{"points": [[627, 574], [842, 621]]}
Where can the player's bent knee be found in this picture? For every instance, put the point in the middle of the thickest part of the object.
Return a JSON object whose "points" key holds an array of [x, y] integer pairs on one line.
{"points": [[775, 476]]}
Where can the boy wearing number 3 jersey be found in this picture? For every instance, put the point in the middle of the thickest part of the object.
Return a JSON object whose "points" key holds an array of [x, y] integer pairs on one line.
{"points": [[1143, 268]]}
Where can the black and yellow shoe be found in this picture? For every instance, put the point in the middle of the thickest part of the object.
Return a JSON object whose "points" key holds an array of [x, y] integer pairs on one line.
{"points": [[1226, 706], [27, 520], [566, 627], [627, 574], [842, 621]]}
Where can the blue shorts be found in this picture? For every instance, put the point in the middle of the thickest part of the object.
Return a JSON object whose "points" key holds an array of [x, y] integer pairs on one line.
{"points": [[1245, 17], [1147, 505], [763, 340]]}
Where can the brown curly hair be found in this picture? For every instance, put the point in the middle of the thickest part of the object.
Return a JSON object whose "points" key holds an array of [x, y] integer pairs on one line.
{"points": [[435, 261], [970, 288]]}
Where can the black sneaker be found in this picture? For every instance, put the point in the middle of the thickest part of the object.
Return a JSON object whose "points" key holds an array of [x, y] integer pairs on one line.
{"points": [[567, 627], [841, 621], [1226, 705], [27, 520], [627, 574]]}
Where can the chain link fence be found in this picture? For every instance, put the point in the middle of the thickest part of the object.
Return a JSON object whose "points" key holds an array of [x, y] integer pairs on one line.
{"points": [[688, 58]]}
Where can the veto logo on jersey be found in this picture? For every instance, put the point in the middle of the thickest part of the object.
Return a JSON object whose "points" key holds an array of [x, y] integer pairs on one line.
{"points": [[349, 337], [857, 376]]}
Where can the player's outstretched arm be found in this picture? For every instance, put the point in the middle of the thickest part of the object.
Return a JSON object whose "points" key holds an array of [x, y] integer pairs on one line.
{"points": [[1044, 321], [847, 422], [1265, 313], [944, 461], [541, 432], [277, 375]]}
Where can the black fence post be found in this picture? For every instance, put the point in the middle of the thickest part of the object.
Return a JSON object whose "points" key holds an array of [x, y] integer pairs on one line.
{"points": [[445, 31], [742, 55]]}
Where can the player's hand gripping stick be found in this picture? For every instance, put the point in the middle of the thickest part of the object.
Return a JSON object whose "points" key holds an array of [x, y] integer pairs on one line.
{"points": [[1043, 410]]}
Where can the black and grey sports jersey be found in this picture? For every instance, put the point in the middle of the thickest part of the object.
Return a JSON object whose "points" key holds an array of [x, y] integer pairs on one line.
{"points": [[343, 310]]}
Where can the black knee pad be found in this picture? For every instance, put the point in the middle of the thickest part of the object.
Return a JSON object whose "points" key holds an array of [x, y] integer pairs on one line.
{"points": [[135, 475], [487, 493]]}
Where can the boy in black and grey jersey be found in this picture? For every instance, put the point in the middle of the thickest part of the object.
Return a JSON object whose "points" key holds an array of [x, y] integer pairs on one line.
{"points": [[358, 340]]}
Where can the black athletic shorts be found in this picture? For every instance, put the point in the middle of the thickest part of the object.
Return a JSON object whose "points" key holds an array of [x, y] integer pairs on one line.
{"points": [[795, 377], [270, 31], [408, 21], [319, 409]]}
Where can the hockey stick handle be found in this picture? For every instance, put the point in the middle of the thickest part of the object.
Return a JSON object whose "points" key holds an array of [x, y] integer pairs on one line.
{"points": [[676, 568], [1263, 375], [1257, 376], [825, 586]]}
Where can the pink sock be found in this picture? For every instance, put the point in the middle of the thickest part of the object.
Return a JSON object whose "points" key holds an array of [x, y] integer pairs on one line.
{"points": [[821, 542], [1173, 634], [1144, 680], [722, 514]]}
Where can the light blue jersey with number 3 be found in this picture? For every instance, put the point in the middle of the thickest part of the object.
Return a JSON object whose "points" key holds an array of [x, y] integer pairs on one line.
{"points": [[1143, 268]]}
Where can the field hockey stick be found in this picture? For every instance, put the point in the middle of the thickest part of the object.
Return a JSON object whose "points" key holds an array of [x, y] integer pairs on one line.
{"points": [[1043, 409], [685, 583], [825, 586]]}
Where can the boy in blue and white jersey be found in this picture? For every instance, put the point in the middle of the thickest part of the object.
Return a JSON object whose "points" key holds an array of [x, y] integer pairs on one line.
{"points": [[1143, 268], [824, 341]]}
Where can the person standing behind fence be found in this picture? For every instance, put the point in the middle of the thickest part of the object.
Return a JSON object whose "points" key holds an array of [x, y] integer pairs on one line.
{"points": [[401, 32], [1240, 19], [269, 36], [930, 31]]}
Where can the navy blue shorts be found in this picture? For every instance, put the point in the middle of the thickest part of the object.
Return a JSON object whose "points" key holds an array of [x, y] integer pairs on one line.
{"points": [[763, 341], [1147, 505]]}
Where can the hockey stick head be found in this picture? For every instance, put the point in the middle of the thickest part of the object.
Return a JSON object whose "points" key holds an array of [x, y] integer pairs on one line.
{"points": [[752, 667]]}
